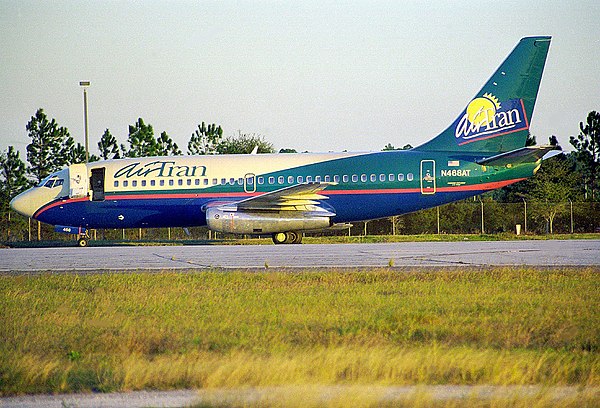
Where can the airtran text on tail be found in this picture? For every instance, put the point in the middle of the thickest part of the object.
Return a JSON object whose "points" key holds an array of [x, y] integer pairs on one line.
{"points": [[486, 117]]}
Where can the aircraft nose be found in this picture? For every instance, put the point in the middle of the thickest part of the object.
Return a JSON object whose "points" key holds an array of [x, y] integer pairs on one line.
{"points": [[25, 203]]}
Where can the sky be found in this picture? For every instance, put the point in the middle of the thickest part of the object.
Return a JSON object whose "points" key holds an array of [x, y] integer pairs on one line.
{"points": [[308, 75]]}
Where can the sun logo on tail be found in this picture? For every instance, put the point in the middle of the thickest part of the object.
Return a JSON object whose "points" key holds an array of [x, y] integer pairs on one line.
{"points": [[482, 110]]}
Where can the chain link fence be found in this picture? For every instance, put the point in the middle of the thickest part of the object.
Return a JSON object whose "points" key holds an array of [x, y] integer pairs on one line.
{"points": [[464, 217]]}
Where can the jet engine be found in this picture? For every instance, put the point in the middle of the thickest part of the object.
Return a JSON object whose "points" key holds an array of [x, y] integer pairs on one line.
{"points": [[266, 222]]}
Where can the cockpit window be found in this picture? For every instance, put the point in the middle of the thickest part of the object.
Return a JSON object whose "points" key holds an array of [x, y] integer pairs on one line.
{"points": [[53, 182]]}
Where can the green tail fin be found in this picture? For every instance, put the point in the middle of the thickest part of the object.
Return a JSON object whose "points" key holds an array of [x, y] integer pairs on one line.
{"points": [[497, 119]]}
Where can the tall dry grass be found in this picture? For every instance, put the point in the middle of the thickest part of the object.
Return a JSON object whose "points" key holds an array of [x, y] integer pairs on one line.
{"points": [[107, 332]]}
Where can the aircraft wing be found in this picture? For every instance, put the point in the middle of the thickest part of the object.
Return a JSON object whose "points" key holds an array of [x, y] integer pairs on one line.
{"points": [[528, 154], [300, 197]]}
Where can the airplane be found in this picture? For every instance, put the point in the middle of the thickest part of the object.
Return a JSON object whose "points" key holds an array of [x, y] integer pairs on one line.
{"points": [[286, 195]]}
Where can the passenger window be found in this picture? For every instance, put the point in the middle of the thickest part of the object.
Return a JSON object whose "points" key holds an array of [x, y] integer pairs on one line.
{"points": [[336, 179], [171, 182], [162, 183], [409, 177], [363, 178], [327, 179], [215, 181], [309, 179], [180, 182], [152, 183], [134, 183], [400, 177], [143, 183], [354, 178], [391, 177], [125, 183], [189, 182], [373, 178], [280, 180], [271, 180], [290, 179], [382, 177], [345, 178], [318, 179], [223, 181], [261, 180], [116, 183], [197, 182], [299, 179], [232, 181], [205, 182]]}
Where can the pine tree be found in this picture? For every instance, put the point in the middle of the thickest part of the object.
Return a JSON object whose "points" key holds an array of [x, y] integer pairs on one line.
{"points": [[109, 149], [205, 139], [12, 182], [45, 152], [12, 172], [166, 147], [587, 144], [244, 144], [141, 141]]}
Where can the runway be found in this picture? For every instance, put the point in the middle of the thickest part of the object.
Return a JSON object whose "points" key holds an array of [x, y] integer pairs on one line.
{"points": [[399, 255]]}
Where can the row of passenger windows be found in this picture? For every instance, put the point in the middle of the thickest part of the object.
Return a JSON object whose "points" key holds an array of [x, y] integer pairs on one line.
{"points": [[270, 180]]}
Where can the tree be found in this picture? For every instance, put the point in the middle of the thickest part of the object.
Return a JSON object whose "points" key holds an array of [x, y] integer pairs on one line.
{"points": [[552, 187], [141, 141], [244, 144], [12, 171], [13, 181], [390, 146], [587, 144], [109, 149], [166, 147], [287, 151], [74, 153], [205, 139], [45, 152]]}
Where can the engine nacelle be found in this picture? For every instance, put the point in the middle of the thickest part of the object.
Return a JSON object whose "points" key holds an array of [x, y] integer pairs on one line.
{"points": [[267, 222]]}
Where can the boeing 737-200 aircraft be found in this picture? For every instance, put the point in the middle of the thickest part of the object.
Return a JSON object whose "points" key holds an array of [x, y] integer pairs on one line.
{"points": [[285, 195]]}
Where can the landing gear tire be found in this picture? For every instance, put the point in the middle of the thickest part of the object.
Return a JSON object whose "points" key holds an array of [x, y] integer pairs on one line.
{"points": [[290, 237], [82, 242]]}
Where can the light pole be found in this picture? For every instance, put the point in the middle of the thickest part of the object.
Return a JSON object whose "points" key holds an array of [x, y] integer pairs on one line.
{"points": [[85, 84]]}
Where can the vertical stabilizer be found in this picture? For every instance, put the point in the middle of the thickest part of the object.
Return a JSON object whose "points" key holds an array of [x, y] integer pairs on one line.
{"points": [[497, 119]]}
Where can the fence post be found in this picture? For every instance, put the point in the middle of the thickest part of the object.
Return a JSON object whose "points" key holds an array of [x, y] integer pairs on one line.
{"points": [[571, 202], [525, 218], [482, 229]]}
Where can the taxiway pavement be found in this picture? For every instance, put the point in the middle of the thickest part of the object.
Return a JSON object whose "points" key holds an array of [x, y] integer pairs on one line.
{"points": [[403, 254]]}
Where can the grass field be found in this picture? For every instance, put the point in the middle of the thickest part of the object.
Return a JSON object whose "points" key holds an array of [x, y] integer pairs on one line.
{"points": [[110, 332]]}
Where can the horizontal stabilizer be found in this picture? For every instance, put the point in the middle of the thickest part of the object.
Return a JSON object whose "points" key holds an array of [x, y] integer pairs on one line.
{"points": [[528, 154]]}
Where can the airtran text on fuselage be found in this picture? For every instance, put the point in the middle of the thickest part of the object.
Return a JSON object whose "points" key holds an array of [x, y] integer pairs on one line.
{"points": [[160, 168]]}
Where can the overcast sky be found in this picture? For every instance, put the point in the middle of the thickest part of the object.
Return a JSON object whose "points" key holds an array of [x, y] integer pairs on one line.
{"points": [[317, 76]]}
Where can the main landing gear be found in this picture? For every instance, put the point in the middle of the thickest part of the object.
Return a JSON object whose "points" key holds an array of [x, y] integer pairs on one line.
{"points": [[82, 240], [290, 237]]}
